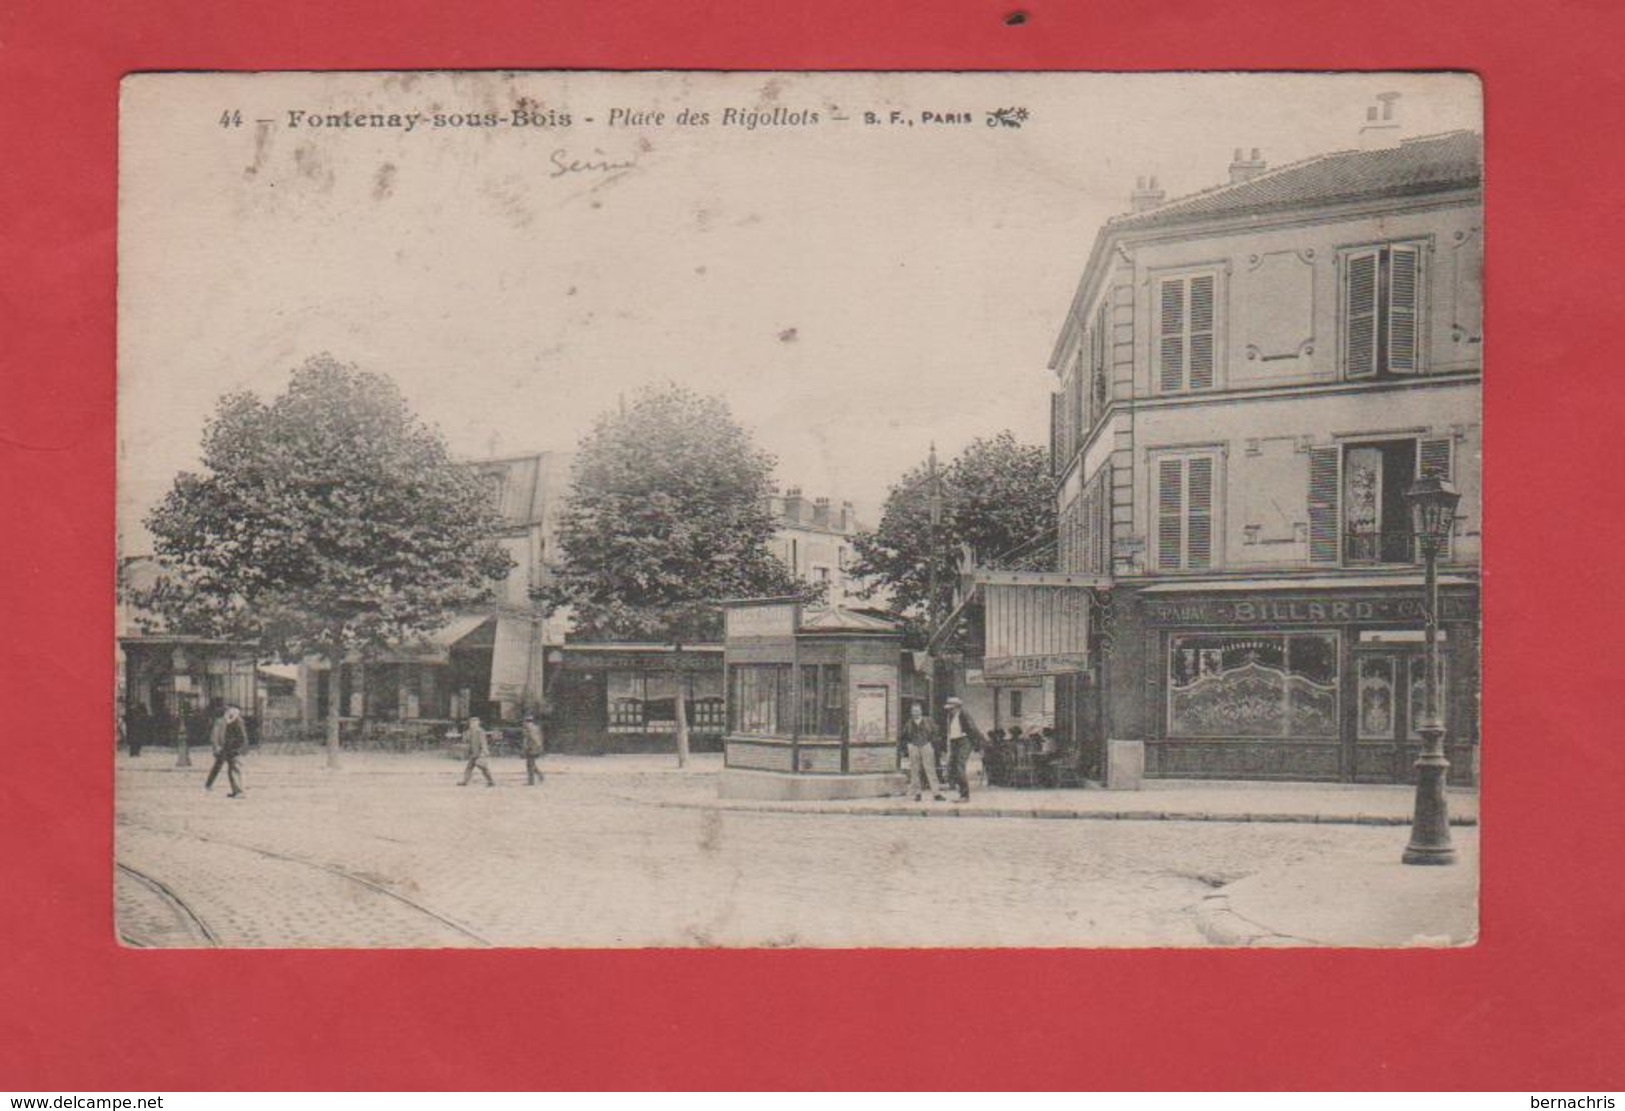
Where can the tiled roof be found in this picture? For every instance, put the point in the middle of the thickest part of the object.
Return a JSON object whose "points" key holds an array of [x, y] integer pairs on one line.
{"points": [[1429, 164]]}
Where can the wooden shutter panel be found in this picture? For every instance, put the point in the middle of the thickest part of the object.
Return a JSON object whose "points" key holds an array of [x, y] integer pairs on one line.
{"points": [[1433, 461], [1079, 419], [1323, 483], [1199, 512], [1054, 434], [1170, 513], [1103, 521], [1172, 331], [1404, 306], [1201, 332], [1360, 316]]}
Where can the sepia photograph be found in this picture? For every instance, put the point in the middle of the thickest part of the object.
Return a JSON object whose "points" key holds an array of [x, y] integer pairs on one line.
{"points": [[575, 509]]}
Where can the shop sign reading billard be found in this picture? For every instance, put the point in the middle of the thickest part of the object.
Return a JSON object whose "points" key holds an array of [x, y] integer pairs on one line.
{"points": [[1299, 611]]}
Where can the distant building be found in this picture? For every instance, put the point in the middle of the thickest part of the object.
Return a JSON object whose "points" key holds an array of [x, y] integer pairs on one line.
{"points": [[487, 662], [814, 540], [617, 696], [166, 684]]}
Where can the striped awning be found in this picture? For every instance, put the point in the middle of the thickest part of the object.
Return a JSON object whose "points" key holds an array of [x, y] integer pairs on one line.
{"points": [[1035, 627]]}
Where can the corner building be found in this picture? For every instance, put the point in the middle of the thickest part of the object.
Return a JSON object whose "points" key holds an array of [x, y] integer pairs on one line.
{"points": [[1248, 380]]}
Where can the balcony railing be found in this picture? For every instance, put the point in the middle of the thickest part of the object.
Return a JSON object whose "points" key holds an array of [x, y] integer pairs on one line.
{"points": [[1361, 546]]}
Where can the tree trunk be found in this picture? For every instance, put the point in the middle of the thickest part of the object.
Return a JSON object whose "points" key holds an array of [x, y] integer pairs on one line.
{"points": [[682, 710], [333, 718]]}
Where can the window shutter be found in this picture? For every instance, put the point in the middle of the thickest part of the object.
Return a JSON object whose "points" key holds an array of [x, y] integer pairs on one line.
{"points": [[1360, 315], [1079, 419], [1433, 461], [1170, 513], [1201, 333], [1199, 512], [1054, 434], [1404, 304], [1102, 556], [1172, 333], [1323, 482]]}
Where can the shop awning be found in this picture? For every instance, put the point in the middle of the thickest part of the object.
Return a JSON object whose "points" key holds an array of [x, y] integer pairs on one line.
{"points": [[1037, 623], [437, 646]]}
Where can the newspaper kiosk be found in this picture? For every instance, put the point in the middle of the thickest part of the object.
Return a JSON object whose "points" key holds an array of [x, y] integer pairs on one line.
{"points": [[813, 700]]}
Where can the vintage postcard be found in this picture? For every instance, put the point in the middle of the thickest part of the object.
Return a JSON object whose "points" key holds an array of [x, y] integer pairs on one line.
{"points": [[578, 509]]}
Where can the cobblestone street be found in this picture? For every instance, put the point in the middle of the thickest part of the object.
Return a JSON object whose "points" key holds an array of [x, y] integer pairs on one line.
{"points": [[390, 851]]}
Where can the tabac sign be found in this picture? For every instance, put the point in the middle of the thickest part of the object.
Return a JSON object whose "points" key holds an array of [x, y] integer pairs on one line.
{"points": [[1035, 628]]}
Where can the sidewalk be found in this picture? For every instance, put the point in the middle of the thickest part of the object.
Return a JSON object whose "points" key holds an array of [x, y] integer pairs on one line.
{"points": [[662, 783], [282, 762], [1369, 904], [1159, 800]]}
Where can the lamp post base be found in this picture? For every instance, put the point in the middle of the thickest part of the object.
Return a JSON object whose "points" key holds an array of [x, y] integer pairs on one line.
{"points": [[1430, 824]]}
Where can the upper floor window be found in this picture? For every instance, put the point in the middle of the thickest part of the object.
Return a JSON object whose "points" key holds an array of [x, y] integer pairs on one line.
{"points": [[1358, 513], [1186, 504], [1382, 310], [495, 482], [1186, 327], [1099, 350]]}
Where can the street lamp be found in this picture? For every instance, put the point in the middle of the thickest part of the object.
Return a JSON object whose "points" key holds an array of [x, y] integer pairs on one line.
{"points": [[1433, 516]]}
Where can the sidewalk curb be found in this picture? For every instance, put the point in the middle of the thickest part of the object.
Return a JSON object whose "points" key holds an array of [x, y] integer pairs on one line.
{"points": [[1221, 925], [953, 811]]}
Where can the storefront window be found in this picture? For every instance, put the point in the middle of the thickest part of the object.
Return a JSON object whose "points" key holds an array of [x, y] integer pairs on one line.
{"points": [[625, 689], [832, 721], [1377, 710], [1311, 686], [1253, 686], [646, 701], [760, 701], [823, 700]]}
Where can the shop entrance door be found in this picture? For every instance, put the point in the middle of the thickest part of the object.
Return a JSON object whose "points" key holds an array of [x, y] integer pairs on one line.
{"points": [[1387, 707]]}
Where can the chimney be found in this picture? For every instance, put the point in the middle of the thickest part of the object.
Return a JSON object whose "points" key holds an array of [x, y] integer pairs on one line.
{"points": [[793, 501], [1381, 131], [821, 513], [1146, 195], [1245, 169], [849, 518]]}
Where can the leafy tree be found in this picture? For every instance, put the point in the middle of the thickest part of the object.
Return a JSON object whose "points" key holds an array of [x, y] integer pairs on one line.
{"points": [[997, 497], [330, 521], [667, 515]]}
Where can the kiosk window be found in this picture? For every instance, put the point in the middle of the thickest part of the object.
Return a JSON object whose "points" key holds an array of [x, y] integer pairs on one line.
{"points": [[759, 699]]}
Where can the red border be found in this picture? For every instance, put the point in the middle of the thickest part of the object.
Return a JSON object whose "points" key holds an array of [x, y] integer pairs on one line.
{"points": [[1536, 1006]]}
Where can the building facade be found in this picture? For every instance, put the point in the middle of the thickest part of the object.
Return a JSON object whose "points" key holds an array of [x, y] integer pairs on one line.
{"points": [[814, 540], [1248, 380], [488, 662], [622, 697]]}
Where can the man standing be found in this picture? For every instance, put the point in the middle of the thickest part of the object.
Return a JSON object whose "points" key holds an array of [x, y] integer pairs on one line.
{"points": [[140, 725], [533, 750], [228, 737], [478, 749], [919, 733], [962, 733]]}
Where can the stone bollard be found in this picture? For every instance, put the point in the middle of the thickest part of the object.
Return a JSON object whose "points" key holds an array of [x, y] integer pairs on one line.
{"points": [[1125, 765]]}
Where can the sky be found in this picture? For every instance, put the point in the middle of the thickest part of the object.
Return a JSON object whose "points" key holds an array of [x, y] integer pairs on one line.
{"points": [[854, 291]]}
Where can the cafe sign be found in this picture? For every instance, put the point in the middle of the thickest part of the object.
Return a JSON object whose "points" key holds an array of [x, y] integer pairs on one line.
{"points": [[1271, 611]]}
